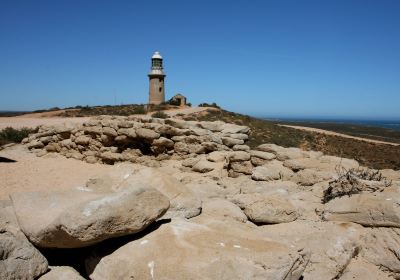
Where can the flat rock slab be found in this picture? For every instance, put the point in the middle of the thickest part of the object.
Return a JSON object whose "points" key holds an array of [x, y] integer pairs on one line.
{"points": [[62, 273], [202, 249], [82, 216], [379, 209]]}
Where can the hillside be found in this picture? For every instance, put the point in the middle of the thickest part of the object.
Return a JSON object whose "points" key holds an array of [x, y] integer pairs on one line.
{"points": [[263, 131]]}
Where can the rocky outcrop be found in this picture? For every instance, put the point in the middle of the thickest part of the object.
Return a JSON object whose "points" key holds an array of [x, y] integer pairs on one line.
{"points": [[266, 208], [368, 209], [18, 258], [84, 216], [110, 139], [202, 249], [62, 273]]}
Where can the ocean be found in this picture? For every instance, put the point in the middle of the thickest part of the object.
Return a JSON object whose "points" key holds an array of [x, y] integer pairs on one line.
{"points": [[390, 124]]}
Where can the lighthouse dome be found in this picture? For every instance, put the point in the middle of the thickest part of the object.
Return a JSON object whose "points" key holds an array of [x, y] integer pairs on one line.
{"points": [[156, 55]]}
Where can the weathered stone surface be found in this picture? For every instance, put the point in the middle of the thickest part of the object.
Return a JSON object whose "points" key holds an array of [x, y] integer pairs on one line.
{"points": [[35, 144], [281, 152], [216, 126], [241, 148], [380, 247], [222, 208], [147, 134], [244, 167], [82, 140], [230, 142], [204, 166], [332, 245], [239, 156], [202, 249], [110, 156], [229, 128], [309, 177], [190, 162], [83, 216], [109, 131], [217, 156], [378, 209], [361, 269], [262, 155], [265, 208], [62, 273], [163, 142], [272, 170], [19, 259]]}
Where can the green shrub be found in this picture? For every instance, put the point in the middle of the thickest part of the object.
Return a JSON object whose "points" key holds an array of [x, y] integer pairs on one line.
{"points": [[209, 105], [12, 135], [139, 110], [160, 115]]}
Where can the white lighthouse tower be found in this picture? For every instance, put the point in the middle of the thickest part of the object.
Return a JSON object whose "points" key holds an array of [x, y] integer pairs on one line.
{"points": [[156, 80]]}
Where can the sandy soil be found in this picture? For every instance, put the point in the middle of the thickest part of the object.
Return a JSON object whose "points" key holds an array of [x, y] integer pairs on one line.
{"points": [[32, 122], [327, 132], [31, 173]]}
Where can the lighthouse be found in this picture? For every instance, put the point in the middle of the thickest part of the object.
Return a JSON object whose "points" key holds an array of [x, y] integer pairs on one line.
{"points": [[156, 80]]}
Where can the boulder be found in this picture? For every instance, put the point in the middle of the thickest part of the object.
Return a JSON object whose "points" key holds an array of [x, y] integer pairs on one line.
{"points": [[378, 209], [109, 131], [83, 216], [202, 249], [262, 155], [224, 209], [62, 273], [19, 259], [272, 170], [332, 245], [380, 247], [146, 133], [229, 128], [239, 156], [163, 142], [359, 268], [266, 208], [230, 142], [190, 162], [204, 166], [244, 167], [217, 156], [183, 203], [215, 126], [82, 140], [241, 148], [309, 177], [281, 152]]}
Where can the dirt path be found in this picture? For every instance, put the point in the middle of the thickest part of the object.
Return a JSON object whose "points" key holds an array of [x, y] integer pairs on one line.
{"points": [[327, 132]]}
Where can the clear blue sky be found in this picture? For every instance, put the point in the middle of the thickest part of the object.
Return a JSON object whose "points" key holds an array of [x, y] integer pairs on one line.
{"points": [[309, 58]]}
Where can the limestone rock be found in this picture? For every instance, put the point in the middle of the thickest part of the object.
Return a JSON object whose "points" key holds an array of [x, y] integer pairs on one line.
{"points": [[273, 170], [202, 249], [82, 140], [241, 148], [147, 134], [19, 259], [281, 152], [239, 156], [230, 142], [82, 216], [362, 269], [62, 273], [368, 209], [380, 247], [309, 177], [217, 156], [204, 166], [109, 131], [244, 167], [262, 155], [332, 245], [223, 208], [265, 208]]}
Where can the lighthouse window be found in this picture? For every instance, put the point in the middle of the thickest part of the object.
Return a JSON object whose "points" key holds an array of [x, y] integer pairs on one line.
{"points": [[160, 89]]}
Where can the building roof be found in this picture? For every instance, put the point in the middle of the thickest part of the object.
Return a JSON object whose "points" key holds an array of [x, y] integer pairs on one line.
{"points": [[178, 95], [156, 55]]}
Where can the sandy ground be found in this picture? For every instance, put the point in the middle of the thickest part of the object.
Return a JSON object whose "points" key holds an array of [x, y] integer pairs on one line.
{"points": [[31, 173], [327, 132]]}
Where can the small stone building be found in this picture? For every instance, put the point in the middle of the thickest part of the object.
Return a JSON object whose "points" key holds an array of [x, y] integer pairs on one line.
{"points": [[179, 99]]}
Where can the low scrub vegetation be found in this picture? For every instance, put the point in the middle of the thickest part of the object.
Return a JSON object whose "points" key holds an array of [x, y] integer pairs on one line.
{"points": [[12, 135], [214, 105], [355, 181], [373, 155], [160, 115]]}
